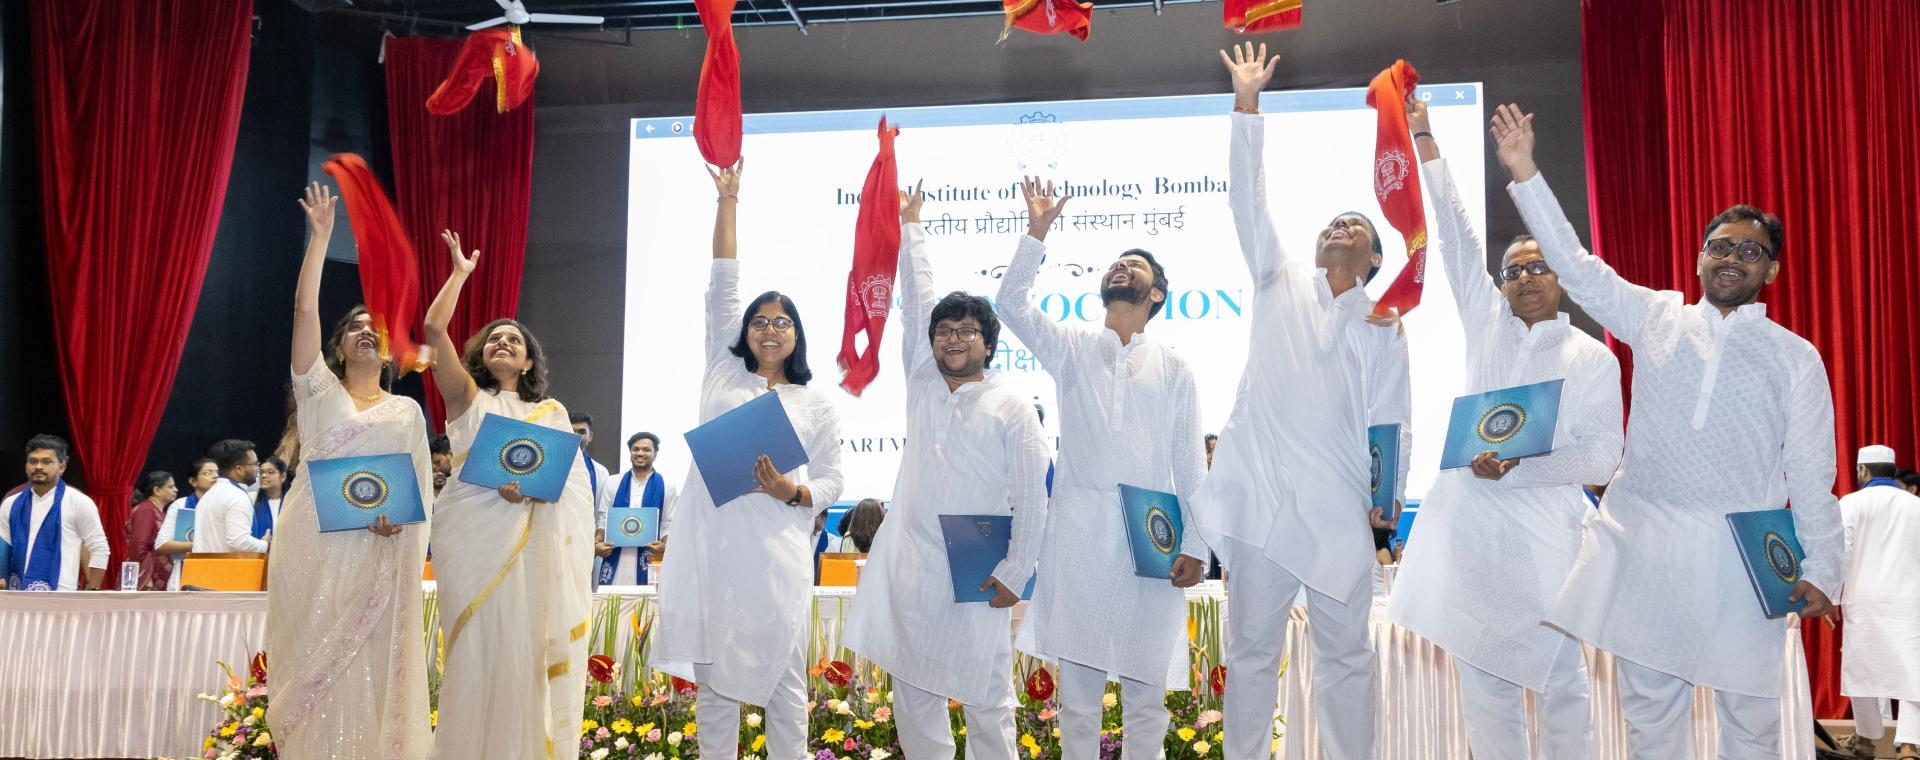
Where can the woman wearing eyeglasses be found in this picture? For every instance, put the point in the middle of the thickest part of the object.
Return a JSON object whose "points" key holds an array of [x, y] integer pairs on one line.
{"points": [[736, 590]]}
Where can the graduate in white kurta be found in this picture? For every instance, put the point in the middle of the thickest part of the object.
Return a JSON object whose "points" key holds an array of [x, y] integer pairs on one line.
{"points": [[1497, 539], [1129, 413], [1880, 646], [1287, 502], [627, 565], [736, 589], [514, 573], [344, 608], [47, 523], [225, 522], [1731, 413], [973, 448]]}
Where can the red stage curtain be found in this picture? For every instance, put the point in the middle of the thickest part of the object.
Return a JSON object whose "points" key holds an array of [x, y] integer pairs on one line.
{"points": [[471, 172], [136, 106], [1808, 111]]}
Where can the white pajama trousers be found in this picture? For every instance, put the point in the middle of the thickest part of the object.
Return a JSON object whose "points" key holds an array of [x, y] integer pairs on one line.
{"points": [[1345, 679], [1869, 722], [926, 731], [1496, 711], [1658, 708], [785, 720], [1143, 715]]}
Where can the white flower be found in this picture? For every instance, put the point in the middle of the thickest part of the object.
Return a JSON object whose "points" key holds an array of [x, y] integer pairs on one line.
{"points": [[598, 754], [654, 756], [226, 700], [1199, 748], [889, 697], [843, 708], [673, 739], [263, 739], [620, 743], [880, 754], [833, 704], [753, 720], [1108, 700], [250, 720]]}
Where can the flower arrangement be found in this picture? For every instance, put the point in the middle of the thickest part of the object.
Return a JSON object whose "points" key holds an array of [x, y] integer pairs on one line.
{"points": [[242, 733], [634, 712]]}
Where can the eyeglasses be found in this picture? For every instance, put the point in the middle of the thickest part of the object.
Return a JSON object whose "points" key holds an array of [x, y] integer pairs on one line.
{"points": [[1749, 251], [963, 334], [779, 324], [1537, 268]]}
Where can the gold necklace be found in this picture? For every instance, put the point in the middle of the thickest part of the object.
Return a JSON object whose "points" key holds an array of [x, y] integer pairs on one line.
{"points": [[377, 395]]}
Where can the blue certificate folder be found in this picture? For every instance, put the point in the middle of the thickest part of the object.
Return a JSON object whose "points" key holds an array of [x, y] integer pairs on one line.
{"points": [[350, 493], [1517, 422], [1153, 530], [726, 448], [1771, 553], [1383, 467], [633, 526], [507, 450], [183, 525], [975, 546]]}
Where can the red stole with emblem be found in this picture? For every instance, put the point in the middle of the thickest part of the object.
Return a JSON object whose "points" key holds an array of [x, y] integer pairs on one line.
{"points": [[490, 53], [389, 269], [716, 115], [876, 253], [1396, 182], [1048, 17], [1255, 16]]}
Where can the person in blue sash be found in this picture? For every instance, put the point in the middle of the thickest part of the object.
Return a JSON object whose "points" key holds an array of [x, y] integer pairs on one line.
{"points": [[596, 472], [47, 523], [205, 474], [641, 487], [266, 504]]}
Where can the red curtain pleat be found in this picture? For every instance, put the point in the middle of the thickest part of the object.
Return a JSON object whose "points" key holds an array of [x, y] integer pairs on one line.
{"points": [[471, 172], [136, 107], [1806, 110]]}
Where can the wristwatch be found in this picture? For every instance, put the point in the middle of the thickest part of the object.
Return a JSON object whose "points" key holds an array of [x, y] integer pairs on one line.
{"points": [[795, 501]]}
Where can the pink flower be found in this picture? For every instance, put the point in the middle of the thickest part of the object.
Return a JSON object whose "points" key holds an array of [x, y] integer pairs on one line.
{"points": [[654, 735], [883, 714], [848, 744], [257, 692], [1047, 713], [1208, 718], [239, 740], [602, 701], [602, 733]]}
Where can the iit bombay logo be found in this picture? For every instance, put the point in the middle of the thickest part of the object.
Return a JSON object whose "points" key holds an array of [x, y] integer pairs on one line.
{"points": [[365, 490], [1389, 173], [1780, 558], [875, 294], [631, 526], [986, 528], [1373, 452], [1501, 423], [521, 456], [1160, 530]]}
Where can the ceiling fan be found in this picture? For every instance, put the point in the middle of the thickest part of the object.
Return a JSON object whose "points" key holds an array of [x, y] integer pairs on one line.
{"points": [[516, 14]]}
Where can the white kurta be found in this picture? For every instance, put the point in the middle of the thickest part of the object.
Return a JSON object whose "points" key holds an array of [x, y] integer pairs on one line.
{"points": [[79, 526], [974, 450], [1128, 414], [514, 594], [225, 522], [1729, 415], [344, 609], [1290, 471], [1492, 554], [628, 573], [167, 527], [736, 586], [1880, 649]]}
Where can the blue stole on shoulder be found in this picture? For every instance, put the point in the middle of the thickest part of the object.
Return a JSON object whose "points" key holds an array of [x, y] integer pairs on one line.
{"points": [[38, 570], [653, 497], [1883, 482], [593, 475], [262, 516]]}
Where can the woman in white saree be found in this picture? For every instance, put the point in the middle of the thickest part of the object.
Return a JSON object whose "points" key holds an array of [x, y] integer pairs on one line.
{"points": [[736, 586], [512, 571], [344, 627]]}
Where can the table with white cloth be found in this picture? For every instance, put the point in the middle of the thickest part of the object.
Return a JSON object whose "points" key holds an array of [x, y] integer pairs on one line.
{"points": [[115, 674]]}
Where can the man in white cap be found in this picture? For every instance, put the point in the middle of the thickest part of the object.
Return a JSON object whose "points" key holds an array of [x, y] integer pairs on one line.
{"points": [[1881, 605]]}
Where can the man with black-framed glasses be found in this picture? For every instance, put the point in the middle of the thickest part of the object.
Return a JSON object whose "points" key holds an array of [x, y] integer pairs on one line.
{"points": [[1731, 413], [973, 448], [1498, 540]]}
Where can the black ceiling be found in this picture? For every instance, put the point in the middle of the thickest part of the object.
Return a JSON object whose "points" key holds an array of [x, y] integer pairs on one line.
{"points": [[674, 14]]}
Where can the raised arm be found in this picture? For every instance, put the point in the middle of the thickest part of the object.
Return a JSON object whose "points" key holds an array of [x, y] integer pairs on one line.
{"points": [[1246, 164], [1050, 342], [723, 289], [1618, 305], [1461, 252], [318, 204], [1590, 413], [916, 283], [456, 387]]}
